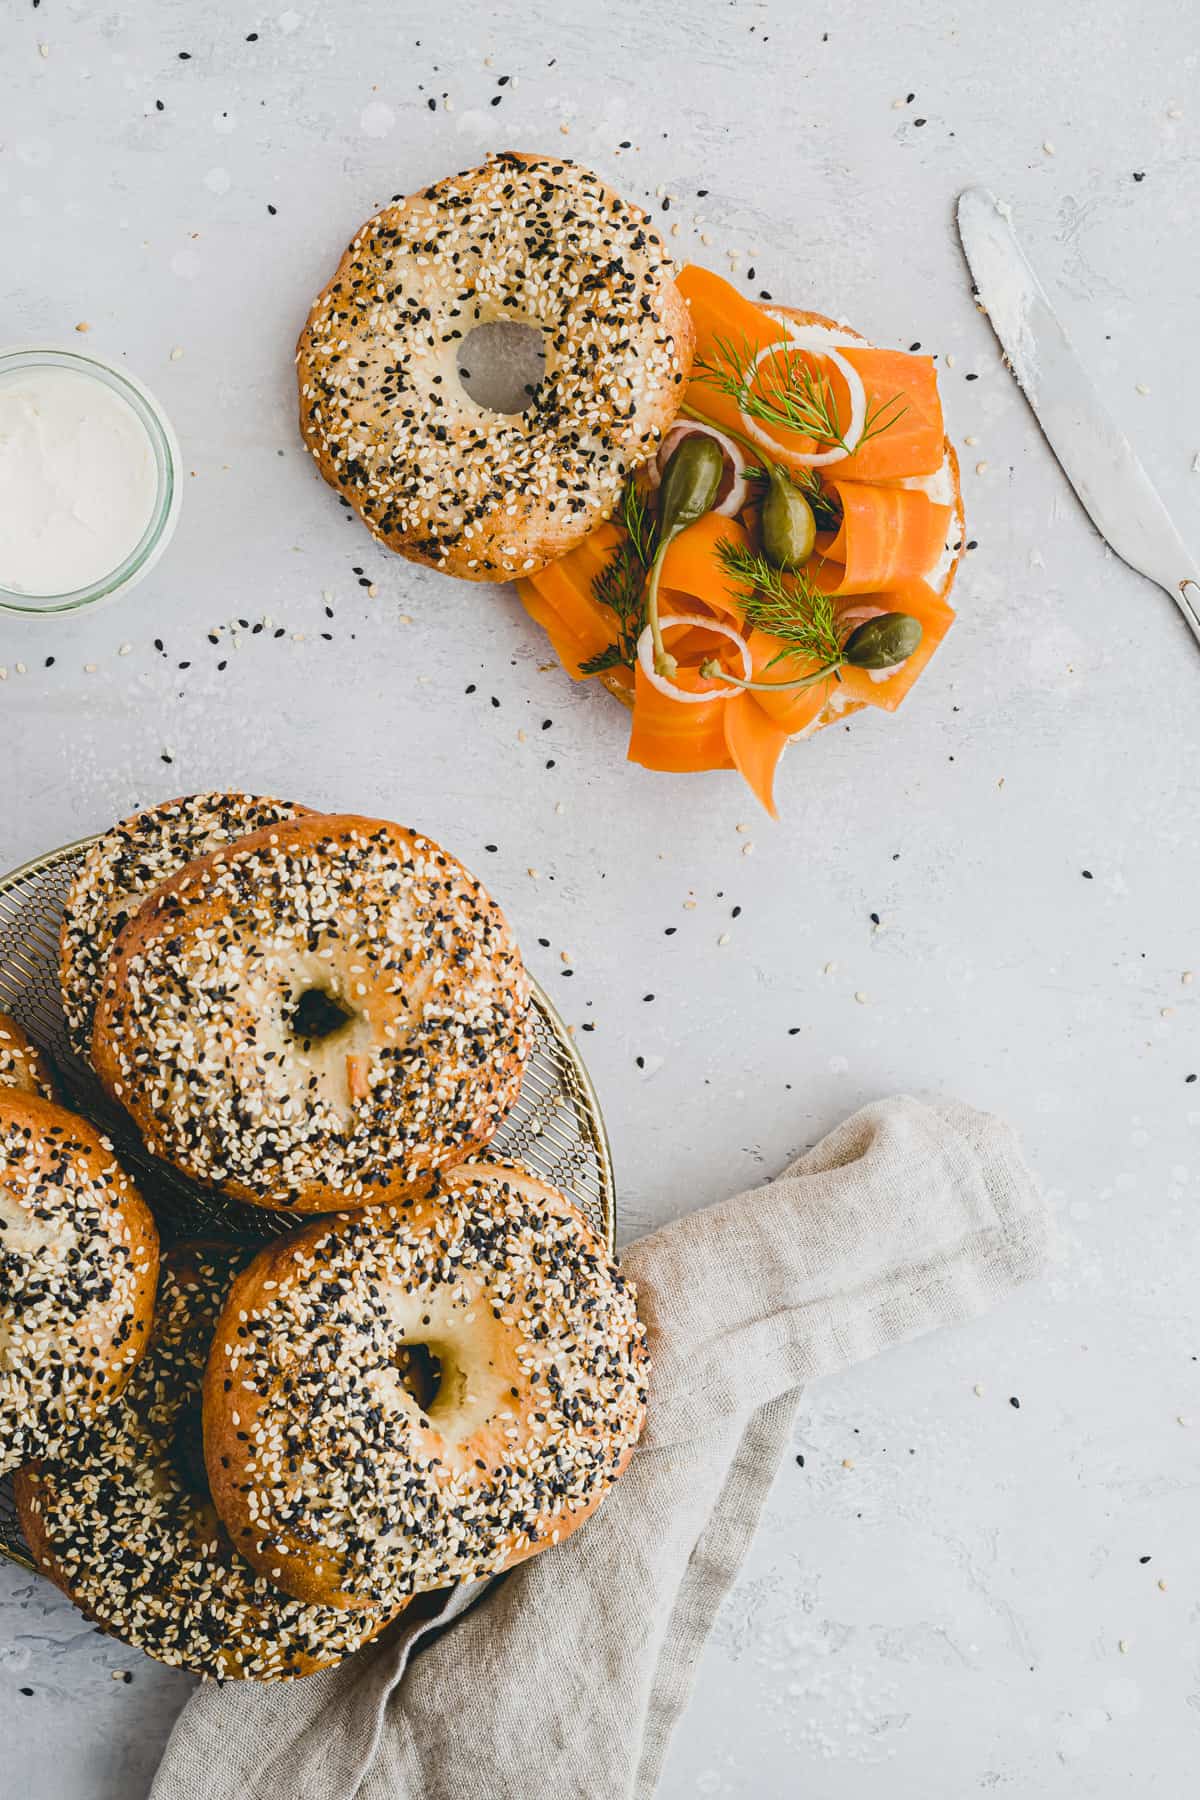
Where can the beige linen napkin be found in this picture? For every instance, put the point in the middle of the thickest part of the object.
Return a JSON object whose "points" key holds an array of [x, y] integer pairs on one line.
{"points": [[566, 1682]]}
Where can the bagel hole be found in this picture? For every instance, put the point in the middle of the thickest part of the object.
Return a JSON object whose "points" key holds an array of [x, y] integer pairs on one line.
{"points": [[501, 365], [420, 1370], [318, 1015]]}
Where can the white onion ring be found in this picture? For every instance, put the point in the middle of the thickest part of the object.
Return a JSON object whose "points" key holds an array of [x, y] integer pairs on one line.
{"points": [[738, 494], [664, 684], [810, 337]]}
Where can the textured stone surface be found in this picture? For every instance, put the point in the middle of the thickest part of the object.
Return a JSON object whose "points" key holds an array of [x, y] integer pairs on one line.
{"points": [[945, 1616]]}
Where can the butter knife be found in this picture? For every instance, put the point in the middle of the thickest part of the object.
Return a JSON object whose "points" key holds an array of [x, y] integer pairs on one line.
{"points": [[1096, 457]]}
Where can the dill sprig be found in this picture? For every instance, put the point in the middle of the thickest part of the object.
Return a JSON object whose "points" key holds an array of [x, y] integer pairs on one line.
{"points": [[788, 606], [640, 523], [621, 583], [799, 398]]}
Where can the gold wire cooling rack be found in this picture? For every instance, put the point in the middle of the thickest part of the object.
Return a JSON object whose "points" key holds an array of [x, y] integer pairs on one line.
{"points": [[556, 1128]]}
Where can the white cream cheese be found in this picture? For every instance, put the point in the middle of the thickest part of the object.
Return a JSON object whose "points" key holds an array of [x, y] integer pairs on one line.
{"points": [[78, 480]]}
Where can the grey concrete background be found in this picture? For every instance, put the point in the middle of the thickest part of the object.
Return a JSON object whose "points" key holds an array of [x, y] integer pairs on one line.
{"points": [[965, 1609]]}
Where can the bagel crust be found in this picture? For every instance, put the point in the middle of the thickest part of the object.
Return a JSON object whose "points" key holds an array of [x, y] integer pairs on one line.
{"points": [[205, 1031], [23, 1067], [78, 1266], [531, 240], [125, 865], [124, 1525], [345, 1488]]}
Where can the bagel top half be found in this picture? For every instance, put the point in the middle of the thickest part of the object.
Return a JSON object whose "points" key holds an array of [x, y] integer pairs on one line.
{"points": [[320, 1015], [531, 240]]}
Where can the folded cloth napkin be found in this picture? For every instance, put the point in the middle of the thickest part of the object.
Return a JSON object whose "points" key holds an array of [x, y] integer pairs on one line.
{"points": [[566, 1681]]}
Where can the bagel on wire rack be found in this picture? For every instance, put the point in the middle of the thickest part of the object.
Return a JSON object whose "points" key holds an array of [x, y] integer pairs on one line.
{"points": [[532, 240], [124, 1525], [126, 864], [23, 1066], [78, 1265], [354, 1481], [320, 1015]]}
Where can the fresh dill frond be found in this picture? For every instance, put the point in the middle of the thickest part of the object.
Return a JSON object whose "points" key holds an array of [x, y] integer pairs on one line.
{"points": [[787, 606], [798, 398], [611, 658], [621, 583], [640, 523], [877, 421]]}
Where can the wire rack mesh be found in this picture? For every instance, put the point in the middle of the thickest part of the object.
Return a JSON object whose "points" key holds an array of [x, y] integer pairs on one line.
{"points": [[556, 1128]]}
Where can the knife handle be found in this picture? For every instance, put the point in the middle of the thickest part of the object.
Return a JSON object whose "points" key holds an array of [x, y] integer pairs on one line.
{"points": [[1186, 595]]}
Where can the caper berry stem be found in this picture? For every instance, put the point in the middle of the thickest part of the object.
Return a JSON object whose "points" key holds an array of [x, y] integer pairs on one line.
{"points": [[691, 412], [689, 487], [712, 670], [664, 662]]}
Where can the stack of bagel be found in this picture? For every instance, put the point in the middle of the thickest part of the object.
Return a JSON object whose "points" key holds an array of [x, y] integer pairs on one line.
{"points": [[248, 1462]]}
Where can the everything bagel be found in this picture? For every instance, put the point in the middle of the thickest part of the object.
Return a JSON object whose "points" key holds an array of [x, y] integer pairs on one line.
{"points": [[22, 1065], [532, 240], [539, 1398], [78, 1265], [319, 1015]]}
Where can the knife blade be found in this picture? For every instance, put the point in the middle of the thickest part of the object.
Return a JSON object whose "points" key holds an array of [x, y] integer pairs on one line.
{"points": [[1096, 457]]}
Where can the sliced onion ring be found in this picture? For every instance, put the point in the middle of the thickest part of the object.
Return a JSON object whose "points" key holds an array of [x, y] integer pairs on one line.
{"points": [[809, 337], [733, 453], [664, 684]]}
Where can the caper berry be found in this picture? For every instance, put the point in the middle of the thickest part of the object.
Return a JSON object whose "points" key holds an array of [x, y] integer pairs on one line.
{"points": [[882, 642], [789, 530], [689, 485]]}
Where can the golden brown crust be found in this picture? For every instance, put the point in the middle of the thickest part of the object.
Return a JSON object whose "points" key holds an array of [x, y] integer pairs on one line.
{"points": [[542, 1394], [22, 1065], [126, 864], [136, 1477], [201, 1030], [81, 1265], [474, 493]]}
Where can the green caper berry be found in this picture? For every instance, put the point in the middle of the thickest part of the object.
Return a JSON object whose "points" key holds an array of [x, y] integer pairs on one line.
{"points": [[789, 530], [882, 642], [689, 485]]}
